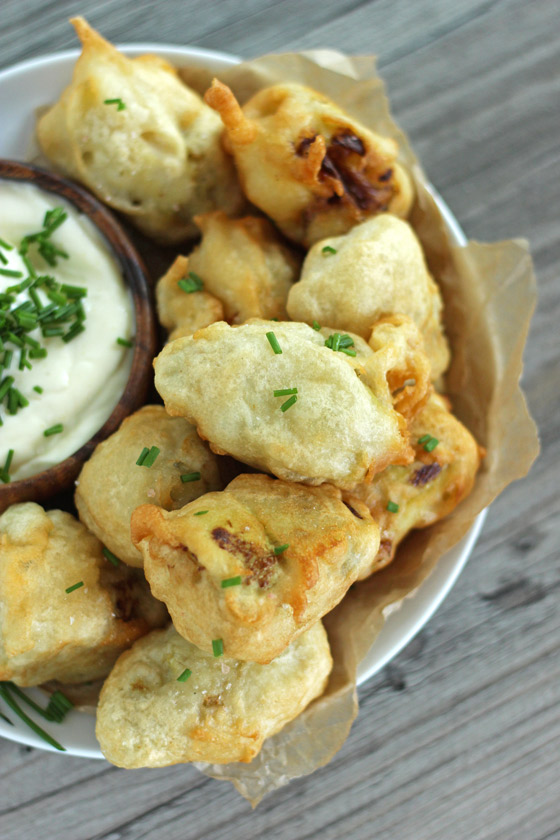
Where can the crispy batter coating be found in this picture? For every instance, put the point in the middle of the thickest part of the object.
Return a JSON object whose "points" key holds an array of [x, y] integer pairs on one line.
{"points": [[307, 164], [223, 379], [429, 488], [245, 264], [378, 268], [223, 712], [48, 633], [188, 555], [111, 484], [183, 313], [153, 152]]}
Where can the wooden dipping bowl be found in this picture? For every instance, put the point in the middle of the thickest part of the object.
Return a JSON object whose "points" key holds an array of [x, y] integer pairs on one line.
{"points": [[43, 485]]}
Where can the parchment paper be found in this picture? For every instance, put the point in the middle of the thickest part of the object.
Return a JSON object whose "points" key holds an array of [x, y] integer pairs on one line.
{"points": [[489, 293]]}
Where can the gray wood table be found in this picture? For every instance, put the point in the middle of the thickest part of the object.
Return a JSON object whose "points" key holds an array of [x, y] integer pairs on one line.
{"points": [[460, 736]]}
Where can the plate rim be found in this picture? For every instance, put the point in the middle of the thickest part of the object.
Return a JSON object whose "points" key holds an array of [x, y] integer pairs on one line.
{"points": [[457, 556]]}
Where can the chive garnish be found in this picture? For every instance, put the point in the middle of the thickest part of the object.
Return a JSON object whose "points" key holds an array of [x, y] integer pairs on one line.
{"points": [[424, 438], [289, 403], [74, 586], [281, 548], [112, 558], [328, 250], [392, 507], [218, 647], [186, 477], [38, 389], [148, 456], [273, 341], [316, 326], [54, 430], [58, 707], [9, 700], [10, 272], [191, 283], [118, 102], [234, 581], [431, 444], [348, 351], [6, 245], [200, 512], [285, 392], [151, 457], [5, 471], [124, 342], [184, 676]]}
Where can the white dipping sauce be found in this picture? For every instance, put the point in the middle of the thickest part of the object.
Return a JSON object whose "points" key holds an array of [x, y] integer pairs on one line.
{"points": [[83, 380]]}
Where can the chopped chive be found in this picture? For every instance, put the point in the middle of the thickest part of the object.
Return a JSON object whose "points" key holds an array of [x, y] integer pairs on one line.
{"points": [[348, 351], [10, 272], [124, 342], [73, 291], [118, 102], [316, 326], [38, 353], [273, 341], [289, 403], [15, 689], [200, 512], [285, 392], [392, 507], [38, 389], [54, 430], [112, 558], [74, 586], [3, 259], [218, 647], [186, 477], [281, 548], [73, 332], [5, 386], [326, 249], [184, 676], [151, 457], [142, 456], [9, 700], [6, 245], [7, 465], [424, 439], [431, 444], [234, 581], [191, 283]]}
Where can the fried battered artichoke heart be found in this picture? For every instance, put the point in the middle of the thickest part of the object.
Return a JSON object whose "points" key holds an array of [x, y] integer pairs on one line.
{"points": [[47, 633], [341, 428], [223, 712], [141, 140], [244, 269], [429, 488], [384, 271], [111, 484], [307, 164], [256, 564]]}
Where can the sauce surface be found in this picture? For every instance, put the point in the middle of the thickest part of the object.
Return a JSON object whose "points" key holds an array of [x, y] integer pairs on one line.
{"points": [[79, 382]]}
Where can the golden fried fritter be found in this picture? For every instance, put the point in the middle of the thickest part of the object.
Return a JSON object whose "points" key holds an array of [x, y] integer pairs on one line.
{"points": [[49, 633], [244, 263], [338, 429], [429, 488], [256, 564], [141, 140], [222, 712], [111, 484], [376, 269], [180, 312], [307, 164]]}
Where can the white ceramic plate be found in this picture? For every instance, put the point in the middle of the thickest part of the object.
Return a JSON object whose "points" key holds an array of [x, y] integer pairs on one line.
{"points": [[32, 84]]}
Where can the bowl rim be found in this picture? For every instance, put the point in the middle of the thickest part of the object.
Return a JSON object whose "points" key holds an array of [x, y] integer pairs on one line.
{"points": [[135, 276]]}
